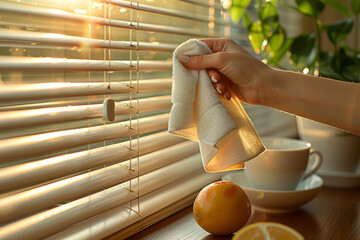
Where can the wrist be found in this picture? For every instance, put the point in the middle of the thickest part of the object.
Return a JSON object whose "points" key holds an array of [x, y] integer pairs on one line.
{"points": [[267, 87]]}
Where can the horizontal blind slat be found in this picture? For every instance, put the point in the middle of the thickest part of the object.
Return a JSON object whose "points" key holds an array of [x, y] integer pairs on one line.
{"points": [[70, 213], [32, 173], [120, 217], [45, 64], [58, 13], [149, 220], [11, 36], [172, 12], [46, 196], [47, 142], [158, 10], [21, 92], [207, 5], [35, 117]]}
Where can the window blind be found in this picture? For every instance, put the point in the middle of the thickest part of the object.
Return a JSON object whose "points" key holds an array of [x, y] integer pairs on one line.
{"points": [[65, 172]]}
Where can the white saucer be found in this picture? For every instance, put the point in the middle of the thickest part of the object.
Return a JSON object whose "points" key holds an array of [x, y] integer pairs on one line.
{"points": [[340, 179], [277, 201]]}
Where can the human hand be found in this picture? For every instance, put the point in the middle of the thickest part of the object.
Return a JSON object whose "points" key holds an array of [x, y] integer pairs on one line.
{"points": [[231, 67]]}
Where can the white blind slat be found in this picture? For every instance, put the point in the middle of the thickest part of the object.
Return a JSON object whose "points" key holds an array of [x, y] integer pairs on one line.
{"points": [[58, 13], [46, 196], [121, 217], [46, 142], [151, 219], [18, 92], [34, 64], [56, 39], [173, 13], [32, 173], [168, 12], [34, 117], [216, 5], [60, 217]]}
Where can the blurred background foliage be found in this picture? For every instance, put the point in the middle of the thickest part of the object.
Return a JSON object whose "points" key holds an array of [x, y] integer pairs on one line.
{"points": [[268, 37]]}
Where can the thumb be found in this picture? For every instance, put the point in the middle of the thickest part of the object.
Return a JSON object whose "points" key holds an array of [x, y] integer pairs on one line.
{"points": [[199, 62]]}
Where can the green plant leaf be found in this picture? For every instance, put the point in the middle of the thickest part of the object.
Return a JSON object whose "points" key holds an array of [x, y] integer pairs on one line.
{"points": [[256, 36], [329, 72], [325, 67], [267, 10], [338, 31], [236, 13], [350, 49], [280, 53], [269, 19], [310, 8], [339, 6], [340, 61], [355, 6], [303, 51], [276, 40], [247, 21], [237, 9], [240, 3], [275, 2], [336, 62], [352, 73]]}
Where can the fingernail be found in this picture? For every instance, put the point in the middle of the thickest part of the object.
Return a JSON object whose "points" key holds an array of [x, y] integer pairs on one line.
{"points": [[226, 98], [183, 58], [213, 79], [218, 90]]}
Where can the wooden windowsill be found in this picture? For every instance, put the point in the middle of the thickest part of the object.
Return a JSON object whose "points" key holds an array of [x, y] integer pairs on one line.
{"points": [[332, 214]]}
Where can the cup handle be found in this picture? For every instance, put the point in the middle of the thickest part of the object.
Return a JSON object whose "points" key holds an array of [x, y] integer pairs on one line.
{"points": [[315, 164]]}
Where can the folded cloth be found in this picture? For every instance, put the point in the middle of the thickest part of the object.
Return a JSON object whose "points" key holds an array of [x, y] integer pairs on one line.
{"points": [[226, 135]]}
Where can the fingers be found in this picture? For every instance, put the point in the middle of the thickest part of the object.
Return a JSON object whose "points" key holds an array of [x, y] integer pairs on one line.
{"points": [[199, 62], [223, 45], [216, 45], [214, 75], [220, 83], [227, 84], [209, 62], [223, 90]]}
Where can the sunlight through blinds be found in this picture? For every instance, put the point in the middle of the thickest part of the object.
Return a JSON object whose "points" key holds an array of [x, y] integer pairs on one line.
{"points": [[66, 170]]}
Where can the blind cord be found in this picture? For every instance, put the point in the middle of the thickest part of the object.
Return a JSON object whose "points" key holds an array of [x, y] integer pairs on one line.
{"points": [[137, 96]]}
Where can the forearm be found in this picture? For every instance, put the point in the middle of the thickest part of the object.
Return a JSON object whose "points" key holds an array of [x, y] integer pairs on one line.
{"points": [[324, 100]]}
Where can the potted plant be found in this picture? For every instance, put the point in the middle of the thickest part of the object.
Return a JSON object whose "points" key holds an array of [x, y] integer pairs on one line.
{"points": [[305, 53]]}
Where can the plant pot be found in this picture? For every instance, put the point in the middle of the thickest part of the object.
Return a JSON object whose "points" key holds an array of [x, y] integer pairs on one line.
{"points": [[340, 150]]}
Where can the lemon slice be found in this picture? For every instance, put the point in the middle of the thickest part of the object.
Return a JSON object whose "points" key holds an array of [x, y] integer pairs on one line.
{"points": [[267, 231]]}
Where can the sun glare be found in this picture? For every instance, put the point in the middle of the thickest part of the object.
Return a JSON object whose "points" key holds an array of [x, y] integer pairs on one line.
{"points": [[81, 11], [226, 4], [57, 11]]}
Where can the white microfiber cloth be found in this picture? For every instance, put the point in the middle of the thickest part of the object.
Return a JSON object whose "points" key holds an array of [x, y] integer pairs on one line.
{"points": [[226, 135]]}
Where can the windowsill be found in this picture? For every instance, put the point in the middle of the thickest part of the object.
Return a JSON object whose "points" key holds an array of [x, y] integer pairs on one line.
{"points": [[325, 217]]}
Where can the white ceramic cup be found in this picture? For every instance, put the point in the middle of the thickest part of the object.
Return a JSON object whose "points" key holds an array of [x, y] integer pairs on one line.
{"points": [[340, 150], [283, 165]]}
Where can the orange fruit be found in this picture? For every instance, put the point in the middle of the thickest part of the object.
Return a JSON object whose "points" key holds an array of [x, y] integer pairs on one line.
{"points": [[221, 208], [267, 230]]}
